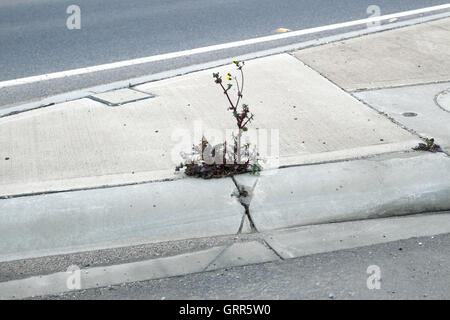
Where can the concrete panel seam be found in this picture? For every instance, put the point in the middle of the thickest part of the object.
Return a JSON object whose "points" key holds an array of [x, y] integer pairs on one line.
{"points": [[244, 198], [272, 249], [217, 257]]}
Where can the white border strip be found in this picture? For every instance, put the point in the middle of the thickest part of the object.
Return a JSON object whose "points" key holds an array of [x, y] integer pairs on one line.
{"points": [[126, 63]]}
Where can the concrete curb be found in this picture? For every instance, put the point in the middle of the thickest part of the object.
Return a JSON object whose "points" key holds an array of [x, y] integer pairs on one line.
{"points": [[303, 241], [284, 244], [87, 220], [127, 179], [377, 187], [200, 261]]}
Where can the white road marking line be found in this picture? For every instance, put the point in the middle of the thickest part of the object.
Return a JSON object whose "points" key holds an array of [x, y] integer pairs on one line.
{"points": [[79, 94], [127, 63]]}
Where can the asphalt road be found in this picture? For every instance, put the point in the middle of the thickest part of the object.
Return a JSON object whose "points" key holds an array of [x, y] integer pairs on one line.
{"points": [[416, 268], [34, 38]]}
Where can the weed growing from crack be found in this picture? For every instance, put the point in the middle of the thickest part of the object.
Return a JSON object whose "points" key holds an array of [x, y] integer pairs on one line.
{"points": [[207, 161], [429, 145]]}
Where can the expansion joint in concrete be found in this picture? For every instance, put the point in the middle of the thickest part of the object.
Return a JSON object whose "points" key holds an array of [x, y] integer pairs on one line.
{"points": [[272, 249], [217, 257], [244, 196]]}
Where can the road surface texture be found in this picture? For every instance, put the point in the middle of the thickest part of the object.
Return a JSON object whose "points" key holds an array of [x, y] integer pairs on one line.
{"points": [[416, 268], [34, 38]]}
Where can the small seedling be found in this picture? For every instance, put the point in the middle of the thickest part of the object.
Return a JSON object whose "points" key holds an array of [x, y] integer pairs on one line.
{"points": [[429, 145], [207, 161]]}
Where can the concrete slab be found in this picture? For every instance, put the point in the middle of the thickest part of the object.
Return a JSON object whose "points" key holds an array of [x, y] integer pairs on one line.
{"points": [[115, 217], [120, 96], [82, 144], [339, 236], [421, 108], [300, 117], [315, 121], [411, 55], [240, 254], [377, 187], [109, 275]]}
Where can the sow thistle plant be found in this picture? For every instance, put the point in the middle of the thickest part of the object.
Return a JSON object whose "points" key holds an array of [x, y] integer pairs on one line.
{"points": [[224, 160]]}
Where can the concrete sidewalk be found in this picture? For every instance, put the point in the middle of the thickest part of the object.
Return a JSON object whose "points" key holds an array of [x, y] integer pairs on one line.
{"points": [[302, 120], [301, 116], [414, 55], [404, 74]]}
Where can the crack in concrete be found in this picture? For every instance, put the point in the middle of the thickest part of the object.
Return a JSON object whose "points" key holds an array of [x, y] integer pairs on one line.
{"points": [[217, 257], [353, 94], [272, 249], [382, 113], [399, 86], [242, 224], [106, 186], [244, 196], [398, 123]]}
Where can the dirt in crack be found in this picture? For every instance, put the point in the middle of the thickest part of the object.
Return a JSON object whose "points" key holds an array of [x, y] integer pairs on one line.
{"points": [[244, 195]]}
